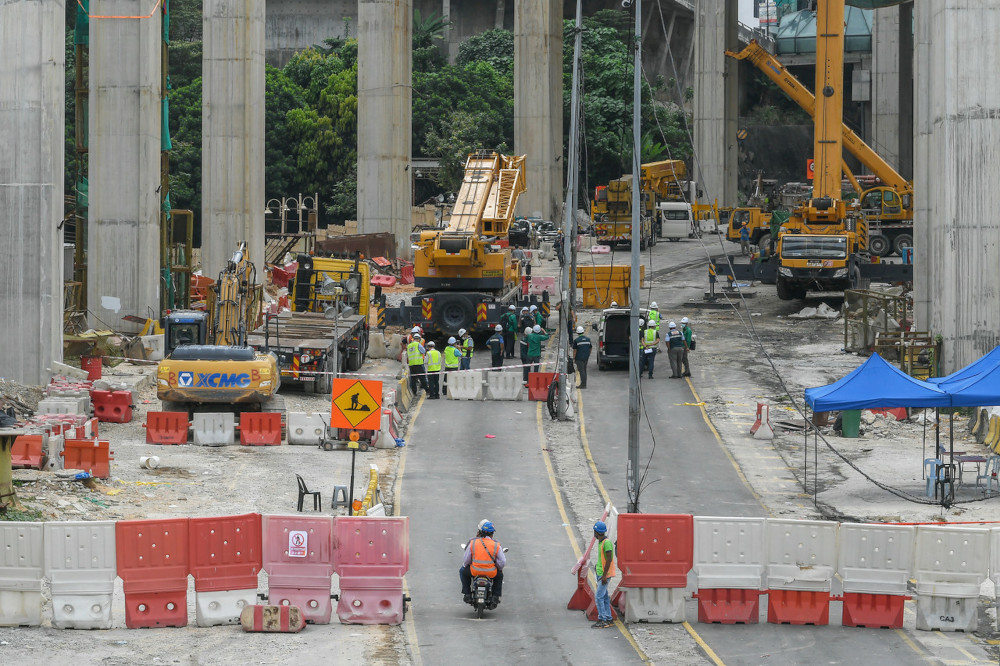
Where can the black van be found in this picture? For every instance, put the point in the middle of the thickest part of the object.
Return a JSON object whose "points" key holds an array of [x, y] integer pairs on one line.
{"points": [[613, 336]]}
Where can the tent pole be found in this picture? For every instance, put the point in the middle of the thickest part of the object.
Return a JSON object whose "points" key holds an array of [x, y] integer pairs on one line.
{"points": [[923, 469], [951, 438], [805, 461], [815, 470]]}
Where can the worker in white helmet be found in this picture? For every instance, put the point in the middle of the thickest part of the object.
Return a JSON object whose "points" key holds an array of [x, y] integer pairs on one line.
{"points": [[468, 344], [581, 354], [535, 339], [452, 358], [649, 340], [654, 316], [689, 345], [675, 350], [496, 346]]}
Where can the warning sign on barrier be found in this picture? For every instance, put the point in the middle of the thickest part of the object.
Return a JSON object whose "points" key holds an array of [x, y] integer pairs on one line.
{"points": [[298, 543], [357, 404]]}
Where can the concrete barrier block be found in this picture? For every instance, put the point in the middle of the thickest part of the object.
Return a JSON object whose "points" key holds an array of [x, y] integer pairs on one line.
{"points": [[213, 428], [376, 345], [467, 385], [403, 396], [305, 428], [504, 385], [63, 405], [395, 346]]}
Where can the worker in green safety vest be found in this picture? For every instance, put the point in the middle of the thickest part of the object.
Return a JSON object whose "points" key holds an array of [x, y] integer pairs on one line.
{"points": [[654, 315], [452, 358], [415, 360], [433, 360], [468, 344]]}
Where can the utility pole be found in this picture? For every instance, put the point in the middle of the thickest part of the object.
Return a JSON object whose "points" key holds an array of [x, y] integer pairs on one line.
{"points": [[632, 472], [569, 225]]}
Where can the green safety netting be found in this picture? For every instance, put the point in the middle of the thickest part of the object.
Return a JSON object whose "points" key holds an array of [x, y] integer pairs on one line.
{"points": [[81, 34]]}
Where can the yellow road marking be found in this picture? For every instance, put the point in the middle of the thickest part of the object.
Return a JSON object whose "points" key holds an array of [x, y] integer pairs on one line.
{"points": [[562, 508], [586, 449], [703, 645], [411, 626]]}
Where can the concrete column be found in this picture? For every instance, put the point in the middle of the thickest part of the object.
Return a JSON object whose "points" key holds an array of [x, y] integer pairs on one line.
{"points": [[957, 167], [232, 133], [538, 103], [32, 126], [716, 109], [885, 138], [123, 246], [385, 93]]}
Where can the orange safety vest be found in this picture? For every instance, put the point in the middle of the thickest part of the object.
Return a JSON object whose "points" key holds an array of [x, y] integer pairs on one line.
{"points": [[483, 557]]}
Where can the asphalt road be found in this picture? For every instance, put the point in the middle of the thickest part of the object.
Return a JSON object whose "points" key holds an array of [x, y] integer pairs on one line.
{"points": [[453, 477]]}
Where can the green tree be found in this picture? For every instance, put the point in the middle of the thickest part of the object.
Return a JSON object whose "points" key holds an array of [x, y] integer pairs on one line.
{"points": [[281, 175], [495, 47], [185, 158]]}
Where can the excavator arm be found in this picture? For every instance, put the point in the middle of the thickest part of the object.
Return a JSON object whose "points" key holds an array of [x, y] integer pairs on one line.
{"points": [[234, 302], [774, 70]]}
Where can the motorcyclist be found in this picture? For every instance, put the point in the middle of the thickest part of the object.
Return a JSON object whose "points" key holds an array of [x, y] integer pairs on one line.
{"points": [[483, 557]]}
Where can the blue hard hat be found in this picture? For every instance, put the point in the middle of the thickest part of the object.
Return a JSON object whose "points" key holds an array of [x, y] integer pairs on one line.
{"points": [[600, 527], [487, 528]]}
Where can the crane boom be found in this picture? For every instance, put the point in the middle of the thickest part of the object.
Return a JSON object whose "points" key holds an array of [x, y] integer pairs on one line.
{"points": [[774, 70]]}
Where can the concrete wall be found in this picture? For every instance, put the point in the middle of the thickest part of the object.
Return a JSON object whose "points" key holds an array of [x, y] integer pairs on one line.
{"points": [[385, 62], [715, 103], [32, 119], [294, 25], [957, 168], [123, 236], [232, 173], [538, 103]]}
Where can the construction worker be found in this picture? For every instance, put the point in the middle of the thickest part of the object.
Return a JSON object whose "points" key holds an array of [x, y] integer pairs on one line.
{"points": [[433, 361], [605, 570], [675, 350], [415, 360], [524, 346], [509, 322], [654, 316], [526, 320], [416, 330], [650, 342], [581, 354], [537, 314], [483, 557], [535, 339], [688, 345], [496, 345], [744, 239], [452, 357], [468, 344]]}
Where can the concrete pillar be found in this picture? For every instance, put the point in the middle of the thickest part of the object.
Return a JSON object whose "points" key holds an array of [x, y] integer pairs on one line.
{"points": [[232, 133], [716, 109], [32, 128], [123, 239], [538, 103], [385, 67], [892, 86], [956, 170]]}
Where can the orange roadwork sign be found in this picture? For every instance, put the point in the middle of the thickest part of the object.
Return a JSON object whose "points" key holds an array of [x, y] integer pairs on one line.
{"points": [[356, 404]]}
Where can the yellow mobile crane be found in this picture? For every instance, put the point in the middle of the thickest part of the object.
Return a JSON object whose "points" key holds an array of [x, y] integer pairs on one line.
{"points": [[664, 181], [888, 208], [207, 359], [466, 274]]}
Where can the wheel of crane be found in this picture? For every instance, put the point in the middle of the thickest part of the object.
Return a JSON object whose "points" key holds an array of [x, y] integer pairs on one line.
{"points": [[903, 241], [879, 245]]}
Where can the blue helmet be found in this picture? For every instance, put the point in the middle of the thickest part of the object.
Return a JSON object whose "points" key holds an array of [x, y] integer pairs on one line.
{"points": [[600, 527], [487, 528]]}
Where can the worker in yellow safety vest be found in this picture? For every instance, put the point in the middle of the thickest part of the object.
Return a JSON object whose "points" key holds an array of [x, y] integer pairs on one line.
{"points": [[452, 359], [654, 315], [650, 342], [433, 361], [468, 344], [415, 360]]}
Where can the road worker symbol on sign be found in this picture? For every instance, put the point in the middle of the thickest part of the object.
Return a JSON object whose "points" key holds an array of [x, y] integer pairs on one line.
{"points": [[357, 404]]}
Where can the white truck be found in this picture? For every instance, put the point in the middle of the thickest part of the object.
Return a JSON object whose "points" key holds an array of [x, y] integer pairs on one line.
{"points": [[676, 220]]}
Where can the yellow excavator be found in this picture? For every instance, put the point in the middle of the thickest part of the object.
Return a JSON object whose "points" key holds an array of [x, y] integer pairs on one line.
{"points": [[206, 357], [888, 208], [466, 274]]}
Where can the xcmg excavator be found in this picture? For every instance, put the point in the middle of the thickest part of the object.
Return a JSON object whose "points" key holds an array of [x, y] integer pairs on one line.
{"points": [[466, 274], [888, 208], [207, 359]]}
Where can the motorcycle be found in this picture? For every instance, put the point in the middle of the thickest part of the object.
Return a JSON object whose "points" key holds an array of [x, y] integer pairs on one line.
{"points": [[482, 592]]}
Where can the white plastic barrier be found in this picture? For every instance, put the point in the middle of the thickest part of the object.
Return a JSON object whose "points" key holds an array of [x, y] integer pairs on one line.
{"points": [[467, 385], [729, 553], [950, 564], [385, 438], [305, 428], [655, 604], [801, 554], [80, 564], [21, 569], [504, 385], [213, 428], [876, 559], [995, 562]]}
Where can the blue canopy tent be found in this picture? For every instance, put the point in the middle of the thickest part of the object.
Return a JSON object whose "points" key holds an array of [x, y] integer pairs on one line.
{"points": [[875, 384], [872, 385], [976, 390], [984, 364]]}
